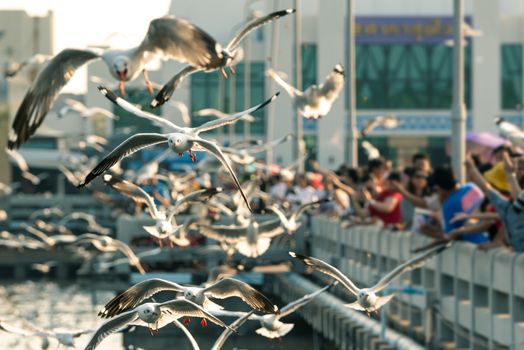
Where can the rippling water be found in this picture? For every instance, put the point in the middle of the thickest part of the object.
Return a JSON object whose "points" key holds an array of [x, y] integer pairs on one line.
{"points": [[52, 306]]}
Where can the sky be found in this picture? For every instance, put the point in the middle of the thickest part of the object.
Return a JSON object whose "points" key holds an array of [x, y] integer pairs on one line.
{"points": [[87, 22]]}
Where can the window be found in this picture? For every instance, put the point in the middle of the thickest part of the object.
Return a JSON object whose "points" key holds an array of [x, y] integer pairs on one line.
{"points": [[209, 90], [411, 76], [511, 76], [126, 119]]}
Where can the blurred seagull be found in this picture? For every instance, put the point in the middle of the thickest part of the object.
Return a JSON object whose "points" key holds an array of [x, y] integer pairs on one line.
{"points": [[83, 110], [92, 225], [389, 121], [34, 61], [316, 101], [206, 112], [220, 57], [107, 244], [228, 331], [167, 37], [510, 131], [64, 337], [163, 222], [367, 299], [292, 223], [155, 315], [182, 139], [184, 112], [252, 240], [467, 32], [24, 168], [371, 151], [225, 288]]}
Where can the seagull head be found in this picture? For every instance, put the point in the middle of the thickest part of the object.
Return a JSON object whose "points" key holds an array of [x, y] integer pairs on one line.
{"points": [[339, 69], [179, 143], [148, 313], [120, 68], [163, 226], [499, 120]]}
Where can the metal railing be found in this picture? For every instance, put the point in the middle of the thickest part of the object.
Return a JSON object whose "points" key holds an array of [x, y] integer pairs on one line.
{"points": [[473, 299]]}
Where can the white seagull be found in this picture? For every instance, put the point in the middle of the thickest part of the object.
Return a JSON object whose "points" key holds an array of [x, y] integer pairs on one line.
{"points": [[206, 112], [220, 57], [33, 61], [292, 223], [228, 331], [89, 219], [316, 101], [167, 37], [510, 131], [182, 139], [24, 168], [225, 288], [371, 151], [83, 110], [64, 337], [273, 328], [155, 315], [367, 299], [389, 121], [251, 240]]}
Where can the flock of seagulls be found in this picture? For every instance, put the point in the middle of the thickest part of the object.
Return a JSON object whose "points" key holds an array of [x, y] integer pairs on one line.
{"points": [[242, 233]]}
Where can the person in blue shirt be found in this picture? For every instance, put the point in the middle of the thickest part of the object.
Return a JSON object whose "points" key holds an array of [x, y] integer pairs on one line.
{"points": [[455, 198], [510, 211]]}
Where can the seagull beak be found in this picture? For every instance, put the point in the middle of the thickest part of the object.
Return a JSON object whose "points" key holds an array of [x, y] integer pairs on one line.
{"points": [[121, 88]]}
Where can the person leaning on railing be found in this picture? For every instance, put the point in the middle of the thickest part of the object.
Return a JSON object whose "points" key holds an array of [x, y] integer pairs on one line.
{"points": [[511, 212], [450, 198]]}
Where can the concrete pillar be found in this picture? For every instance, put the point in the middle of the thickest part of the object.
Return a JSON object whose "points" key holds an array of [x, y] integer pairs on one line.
{"points": [[331, 129], [486, 65]]}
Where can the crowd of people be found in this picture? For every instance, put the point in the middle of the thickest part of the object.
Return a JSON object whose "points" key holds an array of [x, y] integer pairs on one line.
{"points": [[485, 210]]}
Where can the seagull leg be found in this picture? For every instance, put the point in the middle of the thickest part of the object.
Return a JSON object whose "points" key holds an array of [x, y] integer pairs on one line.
{"points": [[192, 156], [203, 322], [149, 329], [156, 327], [232, 70], [121, 88], [148, 83], [186, 321], [223, 71]]}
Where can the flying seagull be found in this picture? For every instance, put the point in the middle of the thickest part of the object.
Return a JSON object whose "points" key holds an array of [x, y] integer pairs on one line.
{"points": [[163, 222], [389, 121], [85, 112], [149, 314], [89, 219], [64, 337], [316, 101], [371, 151], [22, 165], [225, 288], [220, 57], [510, 131], [182, 139], [292, 223], [33, 61], [167, 37], [228, 331], [206, 112], [367, 299], [251, 240]]}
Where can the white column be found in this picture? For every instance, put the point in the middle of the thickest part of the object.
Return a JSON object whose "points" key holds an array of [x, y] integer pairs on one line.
{"points": [[284, 110], [330, 51], [486, 65], [458, 113]]}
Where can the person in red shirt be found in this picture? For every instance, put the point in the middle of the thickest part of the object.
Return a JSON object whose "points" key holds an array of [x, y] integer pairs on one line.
{"points": [[385, 205]]}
